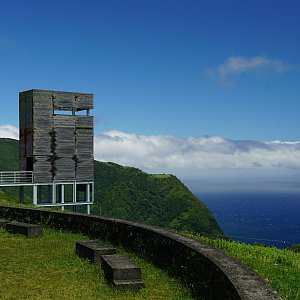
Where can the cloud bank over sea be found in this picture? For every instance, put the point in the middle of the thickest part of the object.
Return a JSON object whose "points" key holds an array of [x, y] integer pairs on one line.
{"points": [[190, 156], [193, 157]]}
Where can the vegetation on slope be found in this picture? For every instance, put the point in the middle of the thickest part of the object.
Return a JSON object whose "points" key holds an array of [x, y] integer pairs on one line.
{"points": [[8, 199], [281, 267], [128, 193], [161, 200], [9, 155], [47, 268]]}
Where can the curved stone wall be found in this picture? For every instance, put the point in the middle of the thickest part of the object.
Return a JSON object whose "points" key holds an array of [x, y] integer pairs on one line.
{"points": [[207, 272]]}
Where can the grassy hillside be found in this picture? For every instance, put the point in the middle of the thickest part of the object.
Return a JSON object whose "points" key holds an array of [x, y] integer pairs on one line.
{"points": [[280, 267], [48, 268], [129, 193], [161, 200]]}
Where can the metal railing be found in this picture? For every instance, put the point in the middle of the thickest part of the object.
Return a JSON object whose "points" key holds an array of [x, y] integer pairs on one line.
{"points": [[16, 177]]}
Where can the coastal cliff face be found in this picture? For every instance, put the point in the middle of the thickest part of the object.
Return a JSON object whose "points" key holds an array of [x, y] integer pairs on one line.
{"points": [[156, 199], [129, 193]]}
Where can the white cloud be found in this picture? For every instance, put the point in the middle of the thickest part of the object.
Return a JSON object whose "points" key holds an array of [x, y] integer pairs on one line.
{"points": [[183, 156], [9, 131], [192, 156], [237, 65]]}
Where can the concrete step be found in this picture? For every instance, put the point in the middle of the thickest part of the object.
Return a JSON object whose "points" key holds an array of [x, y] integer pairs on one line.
{"points": [[128, 285], [3, 222], [120, 271], [93, 250], [24, 228]]}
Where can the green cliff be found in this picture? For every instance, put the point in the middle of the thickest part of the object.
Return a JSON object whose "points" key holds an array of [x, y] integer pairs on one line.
{"points": [[161, 200]]}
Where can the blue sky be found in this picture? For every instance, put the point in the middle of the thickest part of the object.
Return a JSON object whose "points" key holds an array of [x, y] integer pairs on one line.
{"points": [[172, 69]]}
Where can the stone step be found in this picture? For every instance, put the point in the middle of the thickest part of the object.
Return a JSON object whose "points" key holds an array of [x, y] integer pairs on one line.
{"points": [[120, 271], [93, 250], [128, 285], [24, 228], [3, 222]]}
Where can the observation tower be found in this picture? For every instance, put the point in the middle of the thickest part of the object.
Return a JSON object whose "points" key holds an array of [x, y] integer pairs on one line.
{"points": [[56, 148]]}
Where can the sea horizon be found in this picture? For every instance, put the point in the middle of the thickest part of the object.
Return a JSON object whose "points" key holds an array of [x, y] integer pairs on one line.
{"points": [[265, 213]]}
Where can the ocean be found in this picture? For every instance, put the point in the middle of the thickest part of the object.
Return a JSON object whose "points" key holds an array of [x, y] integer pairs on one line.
{"points": [[268, 217]]}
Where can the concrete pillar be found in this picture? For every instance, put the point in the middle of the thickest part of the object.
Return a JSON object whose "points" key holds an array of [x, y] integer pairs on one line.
{"points": [[53, 193], [88, 198], [74, 191], [74, 195], [93, 192], [62, 196], [88, 193], [35, 200]]}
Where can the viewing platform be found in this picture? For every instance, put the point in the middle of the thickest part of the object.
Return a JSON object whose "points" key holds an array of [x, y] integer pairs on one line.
{"points": [[16, 178], [50, 194]]}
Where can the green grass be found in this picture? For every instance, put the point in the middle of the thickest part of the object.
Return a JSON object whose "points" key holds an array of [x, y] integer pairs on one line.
{"points": [[13, 200], [47, 268], [7, 199], [280, 267]]}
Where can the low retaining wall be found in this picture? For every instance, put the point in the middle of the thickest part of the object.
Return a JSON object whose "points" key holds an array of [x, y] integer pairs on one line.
{"points": [[207, 272]]}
